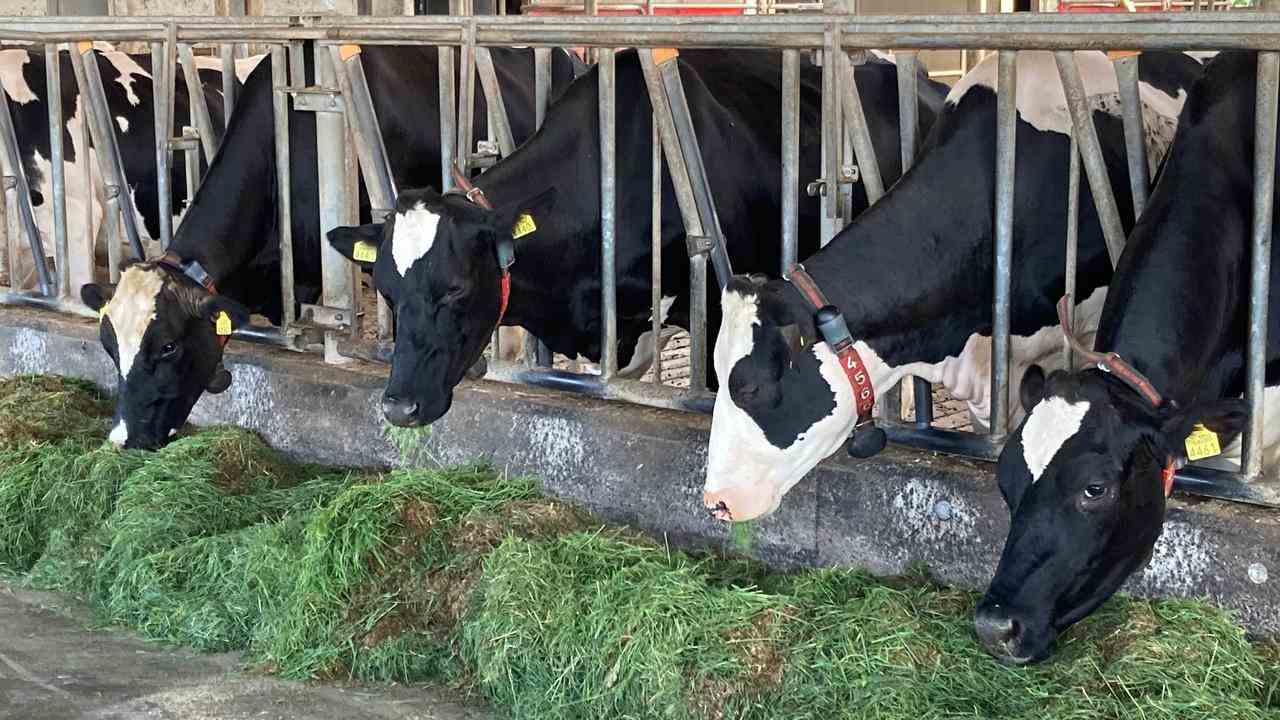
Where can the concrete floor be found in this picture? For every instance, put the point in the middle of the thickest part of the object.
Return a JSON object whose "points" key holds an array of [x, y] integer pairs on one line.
{"points": [[52, 667]]}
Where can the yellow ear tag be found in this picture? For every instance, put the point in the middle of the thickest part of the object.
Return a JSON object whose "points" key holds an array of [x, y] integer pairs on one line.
{"points": [[222, 324], [102, 312], [364, 252], [524, 225], [1202, 443]]}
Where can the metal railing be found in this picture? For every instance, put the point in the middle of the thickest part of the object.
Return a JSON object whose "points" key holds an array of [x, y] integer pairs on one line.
{"points": [[841, 40]]}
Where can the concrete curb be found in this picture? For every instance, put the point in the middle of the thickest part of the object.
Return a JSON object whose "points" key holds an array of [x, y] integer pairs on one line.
{"points": [[644, 467]]}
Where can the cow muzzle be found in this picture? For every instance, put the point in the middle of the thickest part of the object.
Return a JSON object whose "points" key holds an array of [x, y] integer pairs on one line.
{"points": [[401, 413], [1003, 634], [738, 503]]}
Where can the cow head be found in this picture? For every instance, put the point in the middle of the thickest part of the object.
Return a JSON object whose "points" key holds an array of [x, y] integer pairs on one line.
{"points": [[784, 402], [158, 326], [435, 260], [1082, 479]]}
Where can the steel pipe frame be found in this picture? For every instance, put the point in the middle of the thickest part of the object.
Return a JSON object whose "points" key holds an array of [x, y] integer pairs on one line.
{"points": [[57, 171], [1073, 245], [1135, 146], [228, 56], [790, 159], [362, 117], [18, 202], [163, 133], [909, 128], [336, 286], [499, 124], [608, 89], [536, 352], [859, 134], [280, 114], [1260, 261], [98, 116], [196, 101], [1006, 164]]}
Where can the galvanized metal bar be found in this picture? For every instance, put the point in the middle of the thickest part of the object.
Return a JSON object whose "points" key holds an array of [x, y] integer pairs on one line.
{"points": [[655, 250], [832, 138], [13, 231], [676, 166], [1135, 145], [448, 115], [196, 102], [57, 171], [632, 391], [26, 219], [790, 159], [297, 64], [1264, 164], [1091, 151], [467, 102], [1006, 136], [541, 84], [1073, 245], [697, 171], [859, 133], [228, 53], [98, 116], [160, 110], [362, 118], [909, 129], [284, 223], [191, 162], [608, 215], [500, 124], [335, 272]]}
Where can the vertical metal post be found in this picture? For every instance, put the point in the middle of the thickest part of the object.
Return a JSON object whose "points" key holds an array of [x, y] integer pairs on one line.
{"points": [[467, 100], [13, 231], [1073, 244], [53, 98], [790, 159], [1091, 151], [363, 120], [280, 109], [541, 84], [909, 129], [655, 253], [330, 168], [196, 102], [448, 115], [228, 52], [832, 138], [1135, 146], [859, 134], [1264, 164], [191, 161], [160, 110], [499, 124], [1006, 137], [21, 206], [608, 197]]}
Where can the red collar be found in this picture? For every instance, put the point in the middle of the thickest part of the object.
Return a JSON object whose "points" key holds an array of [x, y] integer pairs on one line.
{"points": [[506, 257], [196, 272], [1125, 373], [836, 334]]}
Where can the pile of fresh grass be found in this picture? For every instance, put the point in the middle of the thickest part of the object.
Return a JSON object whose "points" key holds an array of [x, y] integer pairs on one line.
{"points": [[472, 577]]}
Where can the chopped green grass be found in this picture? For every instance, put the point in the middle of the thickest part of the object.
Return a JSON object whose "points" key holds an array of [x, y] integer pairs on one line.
{"points": [[472, 577]]}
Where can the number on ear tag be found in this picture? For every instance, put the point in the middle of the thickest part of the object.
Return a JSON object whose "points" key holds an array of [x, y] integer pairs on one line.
{"points": [[524, 225], [364, 252], [1202, 443], [222, 324]]}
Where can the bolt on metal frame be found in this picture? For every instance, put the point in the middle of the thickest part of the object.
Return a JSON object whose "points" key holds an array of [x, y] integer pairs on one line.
{"points": [[836, 35]]}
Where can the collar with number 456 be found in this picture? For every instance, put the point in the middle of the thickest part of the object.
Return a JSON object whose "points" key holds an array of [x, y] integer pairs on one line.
{"points": [[835, 332]]}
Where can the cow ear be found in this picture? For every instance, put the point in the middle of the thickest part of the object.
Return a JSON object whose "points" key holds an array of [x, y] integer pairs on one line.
{"points": [[1224, 418], [96, 295], [1031, 392], [211, 306], [535, 207], [359, 244]]}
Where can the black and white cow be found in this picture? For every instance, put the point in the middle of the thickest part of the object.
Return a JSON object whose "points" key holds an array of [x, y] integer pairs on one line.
{"points": [[156, 322], [1082, 475], [127, 85], [437, 263], [913, 277]]}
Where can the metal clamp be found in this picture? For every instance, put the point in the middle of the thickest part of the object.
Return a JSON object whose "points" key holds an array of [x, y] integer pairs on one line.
{"points": [[322, 316], [316, 99]]}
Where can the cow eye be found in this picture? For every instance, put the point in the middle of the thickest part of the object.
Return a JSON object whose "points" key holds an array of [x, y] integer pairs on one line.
{"points": [[168, 350], [1093, 492]]}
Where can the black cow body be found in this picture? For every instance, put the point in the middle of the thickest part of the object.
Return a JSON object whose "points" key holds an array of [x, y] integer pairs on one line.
{"points": [[126, 82], [914, 279], [452, 295], [1082, 475], [231, 228]]}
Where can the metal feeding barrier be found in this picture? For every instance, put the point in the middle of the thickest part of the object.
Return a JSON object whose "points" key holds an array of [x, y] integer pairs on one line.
{"points": [[349, 142]]}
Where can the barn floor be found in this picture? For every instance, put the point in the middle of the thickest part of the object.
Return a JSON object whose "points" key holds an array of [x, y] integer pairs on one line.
{"points": [[57, 668]]}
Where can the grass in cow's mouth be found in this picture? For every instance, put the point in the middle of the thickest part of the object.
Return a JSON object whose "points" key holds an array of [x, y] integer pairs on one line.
{"points": [[472, 577]]}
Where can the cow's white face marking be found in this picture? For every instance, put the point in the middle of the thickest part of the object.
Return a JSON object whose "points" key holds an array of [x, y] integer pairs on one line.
{"points": [[1052, 423], [119, 434], [15, 85], [131, 311], [744, 470], [415, 234], [127, 68]]}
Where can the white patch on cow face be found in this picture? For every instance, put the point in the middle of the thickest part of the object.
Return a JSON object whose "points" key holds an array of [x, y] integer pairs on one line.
{"points": [[15, 85], [123, 123], [746, 472], [131, 311], [119, 434], [1052, 423], [885, 55], [415, 234], [127, 68]]}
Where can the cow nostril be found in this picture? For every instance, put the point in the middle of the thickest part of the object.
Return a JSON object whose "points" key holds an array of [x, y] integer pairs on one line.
{"points": [[721, 512], [995, 627], [399, 412]]}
